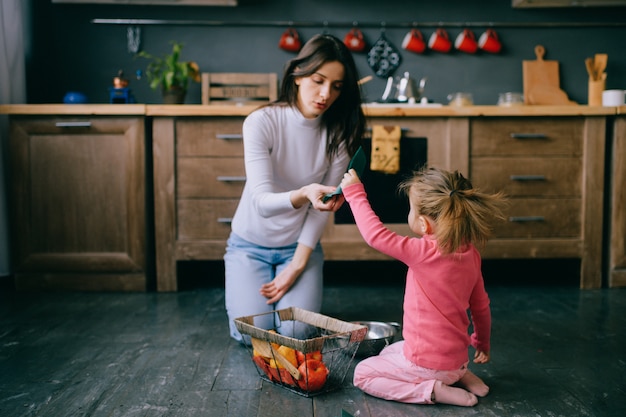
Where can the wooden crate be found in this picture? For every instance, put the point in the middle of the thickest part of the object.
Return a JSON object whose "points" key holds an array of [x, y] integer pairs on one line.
{"points": [[239, 88]]}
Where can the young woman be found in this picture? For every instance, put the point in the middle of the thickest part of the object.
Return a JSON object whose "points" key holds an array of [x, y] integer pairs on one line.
{"points": [[296, 151], [444, 280]]}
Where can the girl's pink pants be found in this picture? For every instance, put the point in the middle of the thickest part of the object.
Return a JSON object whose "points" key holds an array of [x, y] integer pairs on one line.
{"points": [[393, 377]]}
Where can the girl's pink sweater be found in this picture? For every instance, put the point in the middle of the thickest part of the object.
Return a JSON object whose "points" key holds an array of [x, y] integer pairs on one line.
{"points": [[440, 290]]}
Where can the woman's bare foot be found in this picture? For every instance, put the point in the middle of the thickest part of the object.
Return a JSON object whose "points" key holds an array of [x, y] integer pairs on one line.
{"points": [[445, 394], [474, 384]]}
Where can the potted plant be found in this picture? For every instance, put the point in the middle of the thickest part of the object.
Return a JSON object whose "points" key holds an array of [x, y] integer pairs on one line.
{"points": [[170, 74]]}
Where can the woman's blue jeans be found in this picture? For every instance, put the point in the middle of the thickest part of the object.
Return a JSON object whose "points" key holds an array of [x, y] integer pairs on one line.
{"points": [[248, 266]]}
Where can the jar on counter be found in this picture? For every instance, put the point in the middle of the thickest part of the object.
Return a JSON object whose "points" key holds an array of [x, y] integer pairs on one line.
{"points": [[510, 99], [460, 99]]}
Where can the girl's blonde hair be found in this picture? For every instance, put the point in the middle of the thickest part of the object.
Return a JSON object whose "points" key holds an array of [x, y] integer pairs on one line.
{"points": [[461, 213]]}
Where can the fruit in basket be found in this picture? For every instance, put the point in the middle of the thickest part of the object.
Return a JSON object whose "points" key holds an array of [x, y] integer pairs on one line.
{"points": [[278, 373], [263, 365], [274, 345], [286, 377], [289, 354], [317, 355], [313, 375], [257, 354]]}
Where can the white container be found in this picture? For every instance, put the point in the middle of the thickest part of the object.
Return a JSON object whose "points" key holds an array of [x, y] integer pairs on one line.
{"points": [[613, 98]]}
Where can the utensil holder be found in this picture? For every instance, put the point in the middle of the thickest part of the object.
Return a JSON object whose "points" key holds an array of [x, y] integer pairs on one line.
{"points": [[596, 87]]}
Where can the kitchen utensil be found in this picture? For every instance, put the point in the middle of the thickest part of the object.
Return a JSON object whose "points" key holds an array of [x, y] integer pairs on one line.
{"points": [[379, 335], [599, 62], [290, 40], [119, 81], [406, 88], [414, 41], [439, 41], [466, 42], [548, 94], [595, 89], [266, 349], [489, 42], [357, 162], [541, 81], [420, 89], [383, 58], [591, 69], [364, 80], [354, 40], [402, 89]]}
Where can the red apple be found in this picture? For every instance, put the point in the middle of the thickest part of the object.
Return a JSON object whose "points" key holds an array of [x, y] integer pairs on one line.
{"points": [[301, 357], [313, 374], [286, 378], [262, 364]]}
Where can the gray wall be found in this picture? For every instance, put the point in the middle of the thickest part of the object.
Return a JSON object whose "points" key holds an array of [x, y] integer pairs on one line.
{"points": [[70, 53]]}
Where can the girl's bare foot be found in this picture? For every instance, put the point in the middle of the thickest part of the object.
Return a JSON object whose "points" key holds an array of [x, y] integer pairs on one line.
{"points": [[445, 394], [474, 384]]}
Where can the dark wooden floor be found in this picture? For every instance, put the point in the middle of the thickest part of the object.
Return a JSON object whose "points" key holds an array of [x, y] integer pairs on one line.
{"points": [[557, 351]]}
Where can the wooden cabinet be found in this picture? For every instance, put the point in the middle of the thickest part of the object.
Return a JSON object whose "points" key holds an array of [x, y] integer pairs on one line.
{"points": [[617, 221], [552, 169], [77, 200], [78, 186], [198, 178]]}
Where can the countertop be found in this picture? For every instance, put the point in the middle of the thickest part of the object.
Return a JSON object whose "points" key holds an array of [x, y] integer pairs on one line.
{"points": [[370, 110]]}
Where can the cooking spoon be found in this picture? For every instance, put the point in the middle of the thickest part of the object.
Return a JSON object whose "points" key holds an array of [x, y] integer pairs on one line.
{"points": [[266, 349], [358, 163], [591, 70], [600, 61]]}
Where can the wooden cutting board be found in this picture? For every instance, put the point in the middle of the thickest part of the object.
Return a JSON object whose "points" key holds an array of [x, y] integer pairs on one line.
{"points": [[541, 81]]}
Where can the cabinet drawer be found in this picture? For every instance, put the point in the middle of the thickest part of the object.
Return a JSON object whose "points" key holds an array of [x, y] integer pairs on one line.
{"points": [[205, 219], [541, 218], [527, 136], [217, 136], [210, 177], [525, 176]]}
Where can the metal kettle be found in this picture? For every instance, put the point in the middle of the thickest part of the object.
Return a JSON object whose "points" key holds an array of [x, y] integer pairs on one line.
{"points": [[403, 89]]}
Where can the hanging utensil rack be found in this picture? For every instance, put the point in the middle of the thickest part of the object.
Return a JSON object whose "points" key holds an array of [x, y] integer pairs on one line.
{"points": [[326, 24]]}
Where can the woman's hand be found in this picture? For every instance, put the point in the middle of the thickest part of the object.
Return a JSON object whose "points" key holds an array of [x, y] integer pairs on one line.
{"points": [[313, 193], [349, 178], [481, 356], [279, 286]]}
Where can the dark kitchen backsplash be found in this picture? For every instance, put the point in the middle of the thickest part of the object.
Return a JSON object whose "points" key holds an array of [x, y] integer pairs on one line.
{"points": [[68, 52]]}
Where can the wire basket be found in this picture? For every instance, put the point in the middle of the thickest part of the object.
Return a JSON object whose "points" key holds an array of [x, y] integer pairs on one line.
{"points": [[328, 341]]}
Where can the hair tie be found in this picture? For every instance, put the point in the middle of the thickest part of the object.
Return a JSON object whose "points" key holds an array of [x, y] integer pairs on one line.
{"points": [[452, 192]]}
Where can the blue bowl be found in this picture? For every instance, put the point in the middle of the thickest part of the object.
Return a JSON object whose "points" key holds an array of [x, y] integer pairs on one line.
{"points": [[74, 97]]}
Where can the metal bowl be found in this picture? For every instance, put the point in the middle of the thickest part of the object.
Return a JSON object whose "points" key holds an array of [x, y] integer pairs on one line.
{"points": [[379, 335]]}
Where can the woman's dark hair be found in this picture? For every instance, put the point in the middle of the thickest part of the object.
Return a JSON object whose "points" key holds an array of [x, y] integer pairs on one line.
{"points": [[344, 120]]}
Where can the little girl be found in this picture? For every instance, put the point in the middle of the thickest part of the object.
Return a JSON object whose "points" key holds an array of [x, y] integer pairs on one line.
{"points": [[444, 280]]}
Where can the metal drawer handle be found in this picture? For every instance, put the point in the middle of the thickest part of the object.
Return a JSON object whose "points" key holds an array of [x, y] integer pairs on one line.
{"points": [[229, 136], [225, 220], [73, 124], [225, 178], [526, 219], [528, 177], [529, 136]]}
